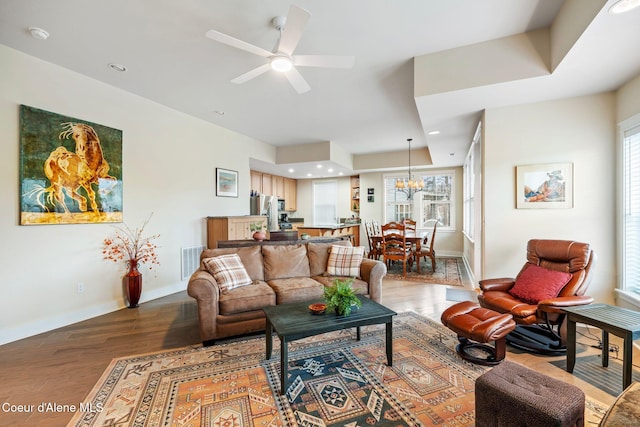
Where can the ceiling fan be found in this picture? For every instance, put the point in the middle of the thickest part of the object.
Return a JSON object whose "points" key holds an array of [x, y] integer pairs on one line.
{"points": [[282, 58]]}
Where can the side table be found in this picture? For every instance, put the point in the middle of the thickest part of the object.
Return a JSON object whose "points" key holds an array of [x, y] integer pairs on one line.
{"points": [[610, 319]]}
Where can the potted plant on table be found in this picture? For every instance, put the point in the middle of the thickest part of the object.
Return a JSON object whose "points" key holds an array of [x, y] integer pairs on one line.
{"points": [[341, 297], [129, 245], [258, 234]]}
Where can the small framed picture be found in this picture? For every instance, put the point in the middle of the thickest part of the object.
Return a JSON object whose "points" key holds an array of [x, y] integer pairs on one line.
{"points": [[226, 183], [370, 199], [544, 186], [370, 191]]}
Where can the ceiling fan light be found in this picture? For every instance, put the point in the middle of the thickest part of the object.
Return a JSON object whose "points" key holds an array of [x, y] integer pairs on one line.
{"points": [[623, 6], [281, 64]]}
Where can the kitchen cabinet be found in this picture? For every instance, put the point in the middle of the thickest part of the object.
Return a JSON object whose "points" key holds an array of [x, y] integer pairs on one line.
{"points": [[290, 195], [279, 186], [256, 181], [231, 228], [267, 184]]}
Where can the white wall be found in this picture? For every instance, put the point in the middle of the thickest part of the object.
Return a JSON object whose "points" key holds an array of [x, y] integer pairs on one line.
{"points": [[579, 130], [169, 162]]}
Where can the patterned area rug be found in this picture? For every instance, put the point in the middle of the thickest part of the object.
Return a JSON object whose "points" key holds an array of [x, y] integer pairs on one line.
{"points": [[334, 381], [448, 272]]}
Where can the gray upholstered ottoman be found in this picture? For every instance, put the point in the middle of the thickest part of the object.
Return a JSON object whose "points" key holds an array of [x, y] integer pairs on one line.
{"points": [[512, 395]]}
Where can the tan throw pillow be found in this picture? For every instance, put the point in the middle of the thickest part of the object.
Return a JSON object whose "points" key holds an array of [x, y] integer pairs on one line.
{"points": [[228, 271], [345, 261]]}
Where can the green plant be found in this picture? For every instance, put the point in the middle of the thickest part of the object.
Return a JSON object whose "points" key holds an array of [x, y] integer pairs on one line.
{"points": [[256, 226], [341, 297]]}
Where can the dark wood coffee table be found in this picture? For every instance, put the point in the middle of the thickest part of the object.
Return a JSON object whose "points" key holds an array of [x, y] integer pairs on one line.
{"points": [[294, 321]]}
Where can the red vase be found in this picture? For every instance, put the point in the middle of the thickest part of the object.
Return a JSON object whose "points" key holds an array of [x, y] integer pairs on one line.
{"points": [[133, 281]]}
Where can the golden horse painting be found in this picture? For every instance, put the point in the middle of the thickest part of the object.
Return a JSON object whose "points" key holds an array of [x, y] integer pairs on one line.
{"points": [[70, 170]]}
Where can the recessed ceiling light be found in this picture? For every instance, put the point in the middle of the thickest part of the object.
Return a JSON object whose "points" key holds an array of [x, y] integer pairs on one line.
{"points": [[329, 170], [623, 6], [340, 173], [319, 166], [291, 170], [434, 132], [309, 174], [219, 112], [38, 33], [118, 67]]}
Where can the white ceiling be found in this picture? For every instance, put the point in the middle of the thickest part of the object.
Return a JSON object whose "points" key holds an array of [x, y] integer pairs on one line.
{"points": [[368, 109]]}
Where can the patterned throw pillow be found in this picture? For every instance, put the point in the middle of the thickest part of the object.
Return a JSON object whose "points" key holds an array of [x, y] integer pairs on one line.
{"points": [[345, 260], [228, 271], [536, 283]]}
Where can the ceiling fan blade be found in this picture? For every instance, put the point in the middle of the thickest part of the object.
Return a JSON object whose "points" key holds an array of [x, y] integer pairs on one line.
{"points": [[297, 81], [252, 74], [237, 43], [326, 61], [296, 22]]}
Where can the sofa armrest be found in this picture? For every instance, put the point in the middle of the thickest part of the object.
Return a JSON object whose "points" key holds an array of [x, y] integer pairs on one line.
{"points": [[372, 272], [204, 288]]}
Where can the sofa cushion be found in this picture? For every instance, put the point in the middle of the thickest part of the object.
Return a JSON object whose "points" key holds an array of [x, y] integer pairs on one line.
{"points": [[285, 261], [536, 283], [246, 298], [318, 254], [251, 258], [296, 289], [360, 286], [345, 261], [228, 271]]}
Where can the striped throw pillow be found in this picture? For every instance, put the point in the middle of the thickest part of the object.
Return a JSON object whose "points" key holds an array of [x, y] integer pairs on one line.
{"points": [[228, 271], [345, 260]]}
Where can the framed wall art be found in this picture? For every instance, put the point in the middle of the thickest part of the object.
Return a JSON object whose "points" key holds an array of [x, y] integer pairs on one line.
{"points": [[544, 186], [226, 183], [70, 170]]}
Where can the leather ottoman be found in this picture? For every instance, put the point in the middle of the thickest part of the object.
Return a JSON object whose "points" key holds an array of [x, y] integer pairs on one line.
{"points": [[477, 326]]}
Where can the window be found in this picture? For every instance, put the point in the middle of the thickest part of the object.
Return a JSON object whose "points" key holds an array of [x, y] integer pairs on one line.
{"points": [[435, 202], [469, 190], [325, 202], [631, 210]]}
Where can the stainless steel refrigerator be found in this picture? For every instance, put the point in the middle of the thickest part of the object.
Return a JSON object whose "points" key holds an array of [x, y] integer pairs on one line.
{"points": [[268, 206]]}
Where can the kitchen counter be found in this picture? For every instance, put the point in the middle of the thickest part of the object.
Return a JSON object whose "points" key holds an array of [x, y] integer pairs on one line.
{"points": [[352, 230], [243, 243]]}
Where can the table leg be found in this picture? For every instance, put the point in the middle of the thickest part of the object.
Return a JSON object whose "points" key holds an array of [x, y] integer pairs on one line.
{"points": [[358, 333], [269, 338], [389, 343], [283, 365], [627, 360], [417, 255], [605, 348], [571, 344]]}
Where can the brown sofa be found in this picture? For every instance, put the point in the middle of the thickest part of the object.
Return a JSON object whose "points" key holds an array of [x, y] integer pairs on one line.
{"points": [[280, 274]]}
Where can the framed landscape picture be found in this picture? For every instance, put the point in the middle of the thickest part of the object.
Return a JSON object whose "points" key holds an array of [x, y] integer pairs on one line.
{"points": [[544, 186], [226, 183]]}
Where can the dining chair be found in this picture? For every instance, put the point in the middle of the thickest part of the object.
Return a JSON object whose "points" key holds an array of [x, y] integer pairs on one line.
{"points": [[428, 249], [394, 245], [374, 245]]}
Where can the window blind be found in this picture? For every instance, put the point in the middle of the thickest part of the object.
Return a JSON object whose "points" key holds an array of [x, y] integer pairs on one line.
{"points": [[631, 217]]}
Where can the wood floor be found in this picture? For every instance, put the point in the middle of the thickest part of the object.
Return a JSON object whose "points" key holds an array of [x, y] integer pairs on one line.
{"points": [[63, 365]]}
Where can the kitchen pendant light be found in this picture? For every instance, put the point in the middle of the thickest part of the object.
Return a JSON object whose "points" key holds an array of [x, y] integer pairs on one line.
{"points": [[409, 186]]}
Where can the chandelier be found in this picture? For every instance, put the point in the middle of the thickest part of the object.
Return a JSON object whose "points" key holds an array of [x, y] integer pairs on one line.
{"points": [[409, 186]]}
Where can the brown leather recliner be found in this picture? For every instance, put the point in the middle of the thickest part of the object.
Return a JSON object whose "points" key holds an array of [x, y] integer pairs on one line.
{"points": [[539, 318]]}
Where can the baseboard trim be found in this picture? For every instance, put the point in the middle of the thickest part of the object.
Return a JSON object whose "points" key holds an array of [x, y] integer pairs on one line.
{"points": [[30, 329]]}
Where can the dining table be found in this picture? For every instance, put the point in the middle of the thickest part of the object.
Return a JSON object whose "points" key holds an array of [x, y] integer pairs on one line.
{"points": [[413, 238]]}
